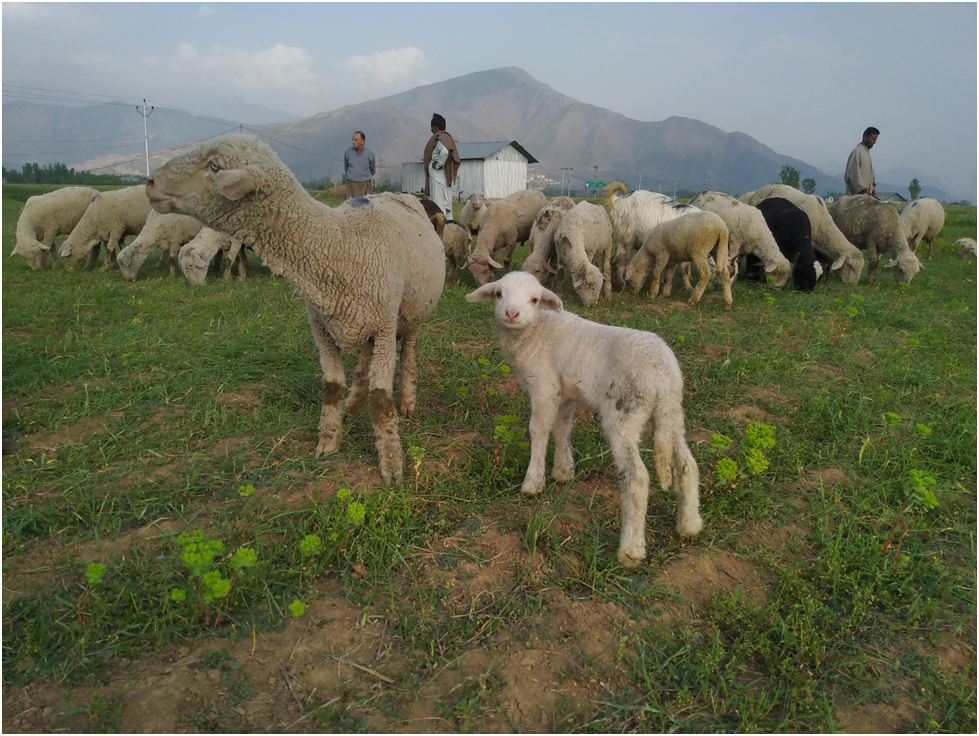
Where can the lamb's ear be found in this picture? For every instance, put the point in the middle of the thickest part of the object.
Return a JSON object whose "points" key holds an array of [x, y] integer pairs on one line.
{"points": [[551, 300], [235, 183], [484, 293], [838, 263], [771, 267], [549, 268]]}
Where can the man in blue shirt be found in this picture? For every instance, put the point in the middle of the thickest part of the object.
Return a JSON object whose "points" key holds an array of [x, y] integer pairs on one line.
{"points": [[358, 167]]}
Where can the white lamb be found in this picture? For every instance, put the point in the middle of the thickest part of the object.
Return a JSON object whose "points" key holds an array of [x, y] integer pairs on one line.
{"points": [[196, 258], [166, 232], [583, 235], [506, 223], [45, 217], [473, 212], [874, 225], [541, 239], [633, 216], [748, 234], [922, 220], [966, 247], [628, 378], [110, 217], [846, 260], [371, 271], [694, 238], [457, 243]]}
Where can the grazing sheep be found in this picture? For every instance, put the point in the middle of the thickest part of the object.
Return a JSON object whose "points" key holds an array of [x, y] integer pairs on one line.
{"points": [[507, 223], [628, 378], [110, 217], [583, 235], [371, 271], [966, 247], [435, 215], [922, 220], [543, 258], [844, 258], [166, 232], [45, 217], [748, 234], [790, 227], [473, 212], [457, 242], [198, 256], [633, 216], [693, 237], [876, 226]]}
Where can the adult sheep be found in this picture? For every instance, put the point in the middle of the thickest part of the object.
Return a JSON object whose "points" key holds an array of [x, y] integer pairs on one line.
{"points": [[109, 218], [845, 259], [748, 234], [370, 270], [542, 258], [197, 258], [583, 236], [473, 212], [876, 226], [45, 217], [790, 227], [507, 223], [922, 220], [166, 232], [633, 216], [628, 378], [457, 243]]}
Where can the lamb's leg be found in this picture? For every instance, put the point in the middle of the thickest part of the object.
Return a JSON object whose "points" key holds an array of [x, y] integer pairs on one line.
{"points": [[334, 385], [381, 406], [563, 468], [666, 281], [703, 277], [543, 411], [675, 464], [408, 380], [357, 397], [660, 262], [623, 432]]}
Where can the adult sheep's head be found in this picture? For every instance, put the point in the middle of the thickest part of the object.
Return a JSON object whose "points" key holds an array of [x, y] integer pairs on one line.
{"points": [[209, 181], [904, 267], [519, 298]]}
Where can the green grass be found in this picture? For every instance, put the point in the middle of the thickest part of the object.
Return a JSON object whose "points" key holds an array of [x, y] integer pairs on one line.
{"points": [[134, 412]]}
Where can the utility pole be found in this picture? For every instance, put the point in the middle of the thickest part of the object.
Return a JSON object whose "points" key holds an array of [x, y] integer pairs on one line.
{"points": [[568, 169], [640, 182], [146, 141]]}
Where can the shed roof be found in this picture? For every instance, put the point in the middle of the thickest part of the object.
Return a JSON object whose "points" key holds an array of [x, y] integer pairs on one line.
{"points": [[484, 150]]}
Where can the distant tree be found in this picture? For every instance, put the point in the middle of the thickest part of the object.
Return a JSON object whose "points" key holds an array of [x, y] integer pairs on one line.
{"points": [[58, 173], [789, 176], [914, 189], [809, 186]]}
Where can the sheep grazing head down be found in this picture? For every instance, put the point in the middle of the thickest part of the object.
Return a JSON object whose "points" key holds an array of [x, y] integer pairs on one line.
{"points": [[519, 298]]}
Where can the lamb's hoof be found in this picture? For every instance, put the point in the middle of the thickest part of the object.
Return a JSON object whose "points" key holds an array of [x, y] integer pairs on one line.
{"points": [[531, 488], [562, 475], [629, 560], [407, 407], [391, 472], [327, 445], [690, 527]]}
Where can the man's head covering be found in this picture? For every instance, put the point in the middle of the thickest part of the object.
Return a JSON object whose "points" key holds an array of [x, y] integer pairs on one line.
{"points": [[438, 121]]}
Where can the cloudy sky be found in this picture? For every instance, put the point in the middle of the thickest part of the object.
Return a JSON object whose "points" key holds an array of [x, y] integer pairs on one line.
{"points": [[804, 79]]}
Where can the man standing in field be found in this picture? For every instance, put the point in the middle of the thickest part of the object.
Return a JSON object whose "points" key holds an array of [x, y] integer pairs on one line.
{"points": [[358, 167], [859, 176], [441, 163]]}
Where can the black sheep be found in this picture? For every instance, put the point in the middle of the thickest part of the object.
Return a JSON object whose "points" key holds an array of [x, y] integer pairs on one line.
{"points": [[791, 229]]}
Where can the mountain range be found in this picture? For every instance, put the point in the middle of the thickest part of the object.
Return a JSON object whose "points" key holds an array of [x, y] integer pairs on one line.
{"points": [[497, 105]]}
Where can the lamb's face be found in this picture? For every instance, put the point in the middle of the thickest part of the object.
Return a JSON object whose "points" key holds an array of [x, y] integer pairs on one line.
{"points": [[519, 298]]}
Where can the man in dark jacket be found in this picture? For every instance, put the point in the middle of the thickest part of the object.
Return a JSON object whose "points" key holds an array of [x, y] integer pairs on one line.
{"points": [[441, 162]]}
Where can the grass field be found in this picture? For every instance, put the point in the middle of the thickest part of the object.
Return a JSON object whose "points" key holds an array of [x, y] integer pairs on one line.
{"points": [[175, 560]]}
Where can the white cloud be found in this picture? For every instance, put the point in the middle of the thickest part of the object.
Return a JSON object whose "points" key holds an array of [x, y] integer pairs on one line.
{"points": [[388, 67], [205, 11]]}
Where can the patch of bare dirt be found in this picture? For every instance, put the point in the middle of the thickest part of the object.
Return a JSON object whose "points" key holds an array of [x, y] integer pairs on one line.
{"points": [[696, 577], [791, 539], [876, 718], [744, 414], [71, 434], [825, 476]]}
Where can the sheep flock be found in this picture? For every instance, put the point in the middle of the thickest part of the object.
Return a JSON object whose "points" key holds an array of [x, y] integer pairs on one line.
{"points": [[372, 270]]}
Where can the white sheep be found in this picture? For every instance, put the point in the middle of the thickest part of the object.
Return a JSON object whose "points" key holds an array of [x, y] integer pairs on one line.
{"points": [[197, 257], [922, 220], [45, 217], [869, 223], [110, 217], [583, 235], [473, 212], [506, 223], [628, 378], [748, 234], [371, 271], [966, 247], [845, 259], [633, 216], [694, 237], [541, 239], [457, 243], [166, 232]]}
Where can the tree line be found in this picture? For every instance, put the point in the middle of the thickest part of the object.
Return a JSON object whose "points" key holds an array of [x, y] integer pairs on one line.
{"points": [[34, 173]]}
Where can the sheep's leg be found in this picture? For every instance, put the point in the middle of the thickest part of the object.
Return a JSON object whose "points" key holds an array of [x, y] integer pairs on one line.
{"points": [[931, 244], [111, 250], [543, 412], [563, 468], [607, 273], [685, 275], [660, 263], [334, 385], [666, 281], [92, 260], [408, 380], [623, 432], [242, 261], [874, 259], [703, 277], [675, 464], [508, 258], [381, 406], [357, 397]]}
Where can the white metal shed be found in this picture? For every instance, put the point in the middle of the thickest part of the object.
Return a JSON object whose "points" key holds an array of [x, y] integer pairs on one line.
{"points": [[497, 169]]}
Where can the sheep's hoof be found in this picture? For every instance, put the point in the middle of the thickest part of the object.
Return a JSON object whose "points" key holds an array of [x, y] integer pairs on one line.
{"points": [[562, 475], [531, 488], [630, 561], [391, 472], [690, 527], [327, 445]]}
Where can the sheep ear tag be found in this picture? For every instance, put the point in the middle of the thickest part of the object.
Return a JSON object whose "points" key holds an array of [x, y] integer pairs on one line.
{"points": [[235, 183]]}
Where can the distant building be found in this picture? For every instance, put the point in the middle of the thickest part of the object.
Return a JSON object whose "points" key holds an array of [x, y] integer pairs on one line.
{"points": [[496, 169], [892, 197]]}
